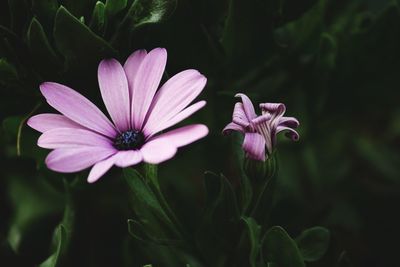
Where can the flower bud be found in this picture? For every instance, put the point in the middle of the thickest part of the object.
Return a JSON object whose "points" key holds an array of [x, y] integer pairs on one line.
{"points": [[260, 171]]}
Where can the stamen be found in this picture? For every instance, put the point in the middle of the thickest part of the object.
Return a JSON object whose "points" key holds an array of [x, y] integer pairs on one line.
{"points": [[129, 140]]}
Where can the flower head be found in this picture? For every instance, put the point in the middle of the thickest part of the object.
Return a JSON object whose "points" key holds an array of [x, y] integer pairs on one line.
{"points": [[260, 131], [82, 136]]}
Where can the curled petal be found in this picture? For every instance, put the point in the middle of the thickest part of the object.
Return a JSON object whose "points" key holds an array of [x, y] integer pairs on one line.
{"points": [[248, 106], [275, 109], [254, 146], [261, 119], [290, 122], [47, 121], [239, 116], [233, 127], [292, 134]]}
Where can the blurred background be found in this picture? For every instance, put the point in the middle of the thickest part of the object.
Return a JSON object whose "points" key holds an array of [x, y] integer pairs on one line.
{"points": [[335, 64]]}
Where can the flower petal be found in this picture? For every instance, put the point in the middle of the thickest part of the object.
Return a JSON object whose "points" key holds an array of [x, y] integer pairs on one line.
{"points": [[115, 92], [232, 127], [261, 119], [275, 109], [100, 168], [68, 137], [174, 96], [254, 146], [248, 106], [48, 121], [145, 84], [131, 67], [128, 158], [77, 108], [292, 134], [76, 159], [157, 151], [291, 122], [176, 119], [239, 116], [184, 135]]}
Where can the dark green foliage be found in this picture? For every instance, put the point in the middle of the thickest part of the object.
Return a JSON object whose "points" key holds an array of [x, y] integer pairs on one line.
{"points": [[333, 63], [313, 243]]}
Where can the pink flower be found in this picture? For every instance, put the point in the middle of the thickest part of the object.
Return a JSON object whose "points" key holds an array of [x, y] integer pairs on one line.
{"points": [[260, 131], [82, 136]]}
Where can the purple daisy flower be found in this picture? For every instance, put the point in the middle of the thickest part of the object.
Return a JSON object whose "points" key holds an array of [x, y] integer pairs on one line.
{"points": [[260, 131], [82, 136]]}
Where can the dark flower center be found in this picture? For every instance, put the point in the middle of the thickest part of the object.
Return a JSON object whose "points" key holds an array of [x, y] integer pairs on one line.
{"points": [[128, 140]]}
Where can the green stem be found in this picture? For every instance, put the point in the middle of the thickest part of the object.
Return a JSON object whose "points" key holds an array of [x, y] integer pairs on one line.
{"points": [[20, 127], [151, 174]]}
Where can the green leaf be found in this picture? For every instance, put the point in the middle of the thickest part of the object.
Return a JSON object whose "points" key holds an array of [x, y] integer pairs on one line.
{"points": [[243, 40], [78, 8], [60, 238], [153, 217], [226, 207], [34, 204], [212, 185], [142, 192], [221, 219], [151, 174], [149, 11], [138, 230], [327, 52], [8, 73], [19, 14], [313, 243], [112, 7], [45, 10], [25, 141], [81, 47], [281, 249], [98, 20], [43, 54], [253, 231]]}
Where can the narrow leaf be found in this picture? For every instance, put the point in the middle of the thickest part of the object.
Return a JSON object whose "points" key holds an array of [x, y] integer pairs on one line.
{"points": [[43, 54], [112, 7], [98, 20], [78, 43], [253, 231]]}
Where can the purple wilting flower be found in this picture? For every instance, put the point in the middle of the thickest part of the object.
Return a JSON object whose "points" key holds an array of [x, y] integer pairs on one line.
{"points": [[82, 136], [260, 131]]}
